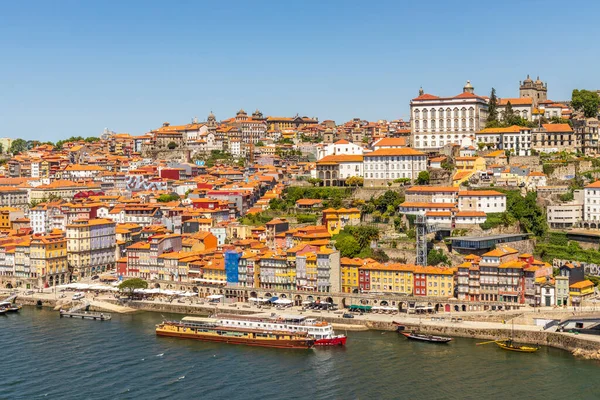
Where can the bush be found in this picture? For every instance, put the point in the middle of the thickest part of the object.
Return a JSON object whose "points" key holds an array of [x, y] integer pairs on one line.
{"points": [[306, 218]]}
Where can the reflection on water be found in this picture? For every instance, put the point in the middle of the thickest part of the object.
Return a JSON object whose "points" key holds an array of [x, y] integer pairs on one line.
{"points": [[49, 357]]}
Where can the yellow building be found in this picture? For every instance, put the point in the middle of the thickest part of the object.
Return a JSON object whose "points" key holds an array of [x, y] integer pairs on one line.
{"points": [[215, 270], [470, 163], [48, 256], [580, 290], [466, 167], [336, 220], [349, 268], [391, 278], [8, 215], [439, 281]]}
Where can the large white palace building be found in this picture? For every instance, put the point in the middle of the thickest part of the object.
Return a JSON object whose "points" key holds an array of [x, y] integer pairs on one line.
{"points": [[438, 121]]}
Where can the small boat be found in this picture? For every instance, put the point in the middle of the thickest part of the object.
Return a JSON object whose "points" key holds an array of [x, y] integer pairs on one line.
{"points": [[3, 311], [426, 338], [509, 345], [9, 307]]}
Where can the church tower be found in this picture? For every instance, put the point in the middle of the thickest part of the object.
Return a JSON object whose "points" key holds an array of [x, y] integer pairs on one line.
{"points": [[537, 90]]}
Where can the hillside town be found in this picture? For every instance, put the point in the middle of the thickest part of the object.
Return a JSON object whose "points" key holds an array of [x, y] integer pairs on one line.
{"points": [[477, 202]]}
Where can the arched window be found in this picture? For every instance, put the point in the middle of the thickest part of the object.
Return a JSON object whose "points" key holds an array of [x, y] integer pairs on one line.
{"points": [[471, 112], [424, 114], [433, 124]]}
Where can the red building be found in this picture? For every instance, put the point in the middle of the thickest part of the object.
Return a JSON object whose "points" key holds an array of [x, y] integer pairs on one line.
{"points": [[364, 280], [170, 173], [420, 283]]}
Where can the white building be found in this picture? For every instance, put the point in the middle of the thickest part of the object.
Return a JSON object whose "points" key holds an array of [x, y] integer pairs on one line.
{"points": [[563, 216], [235, 147], [385, 165], [521, 106], [469, 217], [488, 201], [78, 172], [438, 121], [516, 139], [341, 147], [334, 170], [591, 202]]}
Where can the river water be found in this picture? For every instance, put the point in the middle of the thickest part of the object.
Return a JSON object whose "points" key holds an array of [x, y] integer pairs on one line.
{"points": [[45, 357]]}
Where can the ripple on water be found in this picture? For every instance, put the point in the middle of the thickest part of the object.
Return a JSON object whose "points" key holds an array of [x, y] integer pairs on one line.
{"points": [[52, 358]]}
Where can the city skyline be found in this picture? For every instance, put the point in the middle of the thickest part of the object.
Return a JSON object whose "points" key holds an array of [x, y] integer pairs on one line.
{"points": [[75, 69]]}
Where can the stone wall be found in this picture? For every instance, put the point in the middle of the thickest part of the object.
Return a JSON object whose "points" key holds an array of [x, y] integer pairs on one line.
{"points": [[532, 162]]}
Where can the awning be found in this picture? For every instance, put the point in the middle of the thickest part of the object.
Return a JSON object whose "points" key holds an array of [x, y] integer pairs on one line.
{"points": [[273, 299], [215, 296], [283, 301], [360, 307]]}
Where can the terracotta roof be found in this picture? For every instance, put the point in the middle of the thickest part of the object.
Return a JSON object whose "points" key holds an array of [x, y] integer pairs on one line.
{"points": [[340, 158], [395, 152], [390, 142], [510, 129], [518, 101], [582, 284], [426, 96], [479, 193], [559, 128], [470, 214], [431, 189]]}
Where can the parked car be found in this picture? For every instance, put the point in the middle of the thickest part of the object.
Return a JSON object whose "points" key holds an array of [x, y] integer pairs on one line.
{"points": [[348, 315], [78, 296]]}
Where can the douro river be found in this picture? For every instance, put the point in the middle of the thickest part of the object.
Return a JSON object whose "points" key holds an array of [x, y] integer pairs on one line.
{"points": [[45, 357]]}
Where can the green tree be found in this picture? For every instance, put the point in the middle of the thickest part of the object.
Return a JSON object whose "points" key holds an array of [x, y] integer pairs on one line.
{"points": [[423, 178], [260, 143], [348, 246], [172, 146], [436, 257], [493, 107], [389, 201], [18, 146], [165, 198], [315, 181], [1, 148], [585, 101], [354, 181], [508, 114], [130, 285]]}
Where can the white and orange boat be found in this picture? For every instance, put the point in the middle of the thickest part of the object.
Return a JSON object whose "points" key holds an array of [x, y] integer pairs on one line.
{"points": [[322, 332]]}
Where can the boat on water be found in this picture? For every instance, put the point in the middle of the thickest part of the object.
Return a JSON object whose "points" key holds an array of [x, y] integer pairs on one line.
{"points": [[211, 330], [10, 307], [510, 346], [321, 331], [426, 338]]}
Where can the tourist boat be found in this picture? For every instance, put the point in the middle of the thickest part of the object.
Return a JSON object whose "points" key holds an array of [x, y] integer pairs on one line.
{"points": [[211, 330], [321, 331], [426, 338], [9, 307]]}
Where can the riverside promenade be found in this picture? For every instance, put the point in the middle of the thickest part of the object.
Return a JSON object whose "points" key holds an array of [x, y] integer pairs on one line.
{"points": [[478, 325]]}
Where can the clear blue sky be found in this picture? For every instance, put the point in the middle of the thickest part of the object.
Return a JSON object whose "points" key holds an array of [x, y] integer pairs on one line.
{"points": [[75, 67]]}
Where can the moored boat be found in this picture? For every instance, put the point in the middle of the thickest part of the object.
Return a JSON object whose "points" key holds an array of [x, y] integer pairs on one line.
{"points": [[210, 330], [426, 338], [9, 307], [510, 346], [321, 331]]}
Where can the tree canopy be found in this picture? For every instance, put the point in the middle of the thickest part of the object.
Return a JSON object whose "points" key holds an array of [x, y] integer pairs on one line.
{"points": [[585, 101], [132, 284], [436, 257], [348, 246], [18, 146], [423, 178], [493, 107], [165, 198]]}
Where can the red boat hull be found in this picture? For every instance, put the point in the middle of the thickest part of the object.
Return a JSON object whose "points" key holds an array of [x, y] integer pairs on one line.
{"points": [[336, 341]]}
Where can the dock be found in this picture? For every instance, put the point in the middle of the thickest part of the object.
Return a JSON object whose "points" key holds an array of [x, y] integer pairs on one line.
{"points": [[96, 316], [79, 311]]}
